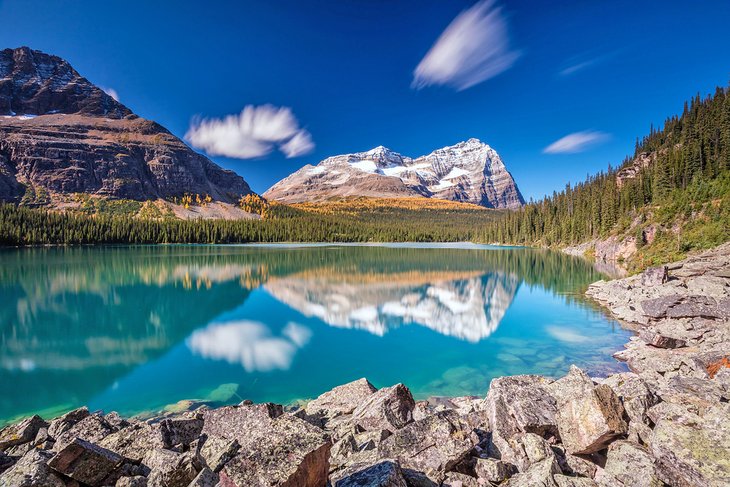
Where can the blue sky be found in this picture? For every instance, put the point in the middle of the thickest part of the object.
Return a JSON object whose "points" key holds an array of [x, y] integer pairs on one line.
{"points": [[354, 74]]}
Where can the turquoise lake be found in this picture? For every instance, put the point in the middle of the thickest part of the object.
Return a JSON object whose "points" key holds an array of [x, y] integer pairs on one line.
{"points": [[137, 329]]}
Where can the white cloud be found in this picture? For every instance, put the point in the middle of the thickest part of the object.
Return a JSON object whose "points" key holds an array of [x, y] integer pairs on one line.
{"points": [[250, 343], [255, 132], [111, 92], [576, 142], [474, 48], [574, 68]]}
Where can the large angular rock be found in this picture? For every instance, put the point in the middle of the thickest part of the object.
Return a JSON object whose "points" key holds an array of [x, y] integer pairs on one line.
{"points": [[83, 461], [521, 403], [242, 423], [31, 471], [565, 481], [631, 464], [575, 383], [67, 421], [589, 422], [637, 399], [92, 428], [383, 474], [456, 479], [179, 431], [170, 469], [661, 341], [654, 276], [527, 449], [341, 400], [390, 408], [22, 432], [217, 451], [289, 452], [538, 475], [433, 445], [134, 441], [206, 478], [136, 481], [691, 450], [491, 470]]}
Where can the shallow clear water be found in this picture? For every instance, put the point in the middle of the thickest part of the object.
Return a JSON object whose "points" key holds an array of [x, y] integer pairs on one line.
{"points": [[136, 329]]}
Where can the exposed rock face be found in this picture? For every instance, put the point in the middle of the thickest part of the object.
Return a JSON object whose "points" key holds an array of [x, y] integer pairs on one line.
{"points": [[61, 134], [85, 462], [470, 172]]}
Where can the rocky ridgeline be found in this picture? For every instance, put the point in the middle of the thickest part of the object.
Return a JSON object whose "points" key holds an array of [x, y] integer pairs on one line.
{"points": [[667, 422]]}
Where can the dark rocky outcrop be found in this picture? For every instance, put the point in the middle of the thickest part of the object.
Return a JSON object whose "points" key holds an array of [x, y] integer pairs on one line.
{"points": [[61, 134]]}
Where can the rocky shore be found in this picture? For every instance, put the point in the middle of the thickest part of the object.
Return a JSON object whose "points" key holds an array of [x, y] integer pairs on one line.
{"points": [[667, 422]]}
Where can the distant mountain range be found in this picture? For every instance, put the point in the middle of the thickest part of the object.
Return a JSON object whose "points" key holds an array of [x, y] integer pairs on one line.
{"points": [[470, 172], [61, 134]]}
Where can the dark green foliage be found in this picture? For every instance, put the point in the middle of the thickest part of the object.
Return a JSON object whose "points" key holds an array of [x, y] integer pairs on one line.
{"points": [[683, 159]]}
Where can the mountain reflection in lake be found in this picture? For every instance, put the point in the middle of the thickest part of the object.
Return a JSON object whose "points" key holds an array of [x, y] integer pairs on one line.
{"points": [[138, 328]]}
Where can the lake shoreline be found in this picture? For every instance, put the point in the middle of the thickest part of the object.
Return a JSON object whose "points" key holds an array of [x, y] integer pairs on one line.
{"points": [[665, 421]]}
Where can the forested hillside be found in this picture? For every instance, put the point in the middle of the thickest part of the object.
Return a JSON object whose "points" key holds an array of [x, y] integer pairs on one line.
{"points": [[672, 196]]}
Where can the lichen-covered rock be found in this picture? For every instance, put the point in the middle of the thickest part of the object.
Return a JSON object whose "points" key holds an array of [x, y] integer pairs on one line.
{"points": [[179, 431], [83, 461], [654, 276], [22, 432], [565, 481], [216, 451], [340, 400], [433, 445], [242, 423], [136, 481], [390, 408], [637, 398], [206, 478], [289, 452], [527, 449], [170, 469], [134, 441], [631, 464], [492, 470], [575, 383], [386, 473], [62, 424], [693, 450], [589, 422], [456, 479], [521, 403], [31, 470], [92, 428], [538, 475]]}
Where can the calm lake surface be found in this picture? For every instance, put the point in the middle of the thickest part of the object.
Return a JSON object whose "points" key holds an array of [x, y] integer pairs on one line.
{"points": [[136, 329]]}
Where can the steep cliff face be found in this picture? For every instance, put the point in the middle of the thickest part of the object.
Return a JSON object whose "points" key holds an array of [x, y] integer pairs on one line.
{"points": [[470, 172], [61, 134]]}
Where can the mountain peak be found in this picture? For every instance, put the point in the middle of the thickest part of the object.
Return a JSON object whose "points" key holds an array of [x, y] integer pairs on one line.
{"points": [[35, 83], [469, 171]]}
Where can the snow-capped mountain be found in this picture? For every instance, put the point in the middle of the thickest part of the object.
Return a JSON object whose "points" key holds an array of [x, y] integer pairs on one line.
{"points": [[470, 172]]}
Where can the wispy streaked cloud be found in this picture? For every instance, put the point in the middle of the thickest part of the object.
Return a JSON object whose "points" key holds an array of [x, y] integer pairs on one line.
{"points": [[255, 132], [585, 61], [576, 142], [111, 92], [474, 48]]}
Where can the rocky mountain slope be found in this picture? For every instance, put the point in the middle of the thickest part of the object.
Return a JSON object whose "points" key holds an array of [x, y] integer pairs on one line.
{"points": [[61, 134], [470, 172]]}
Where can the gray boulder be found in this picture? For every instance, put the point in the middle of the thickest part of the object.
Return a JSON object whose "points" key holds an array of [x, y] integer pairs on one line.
{"points": [[433, 445], [206, 478], [22, 432], [134, 441], [31, 471], [693, 450], [170, 469], [565, 481], [386, 473], [65, 422], [216, 451], [341, 400], [136, 481], [243, 423], [589, 422], [492, 470], [289, 452], [538, 475], [390, 408], [83, 461], [92, 428], [654, 276], [179, 431], [631, 464], [456, 479]]}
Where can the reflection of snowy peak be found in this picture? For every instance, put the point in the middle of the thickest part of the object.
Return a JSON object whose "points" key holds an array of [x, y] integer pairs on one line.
{"points": [[468, 309], [469, 171]]}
